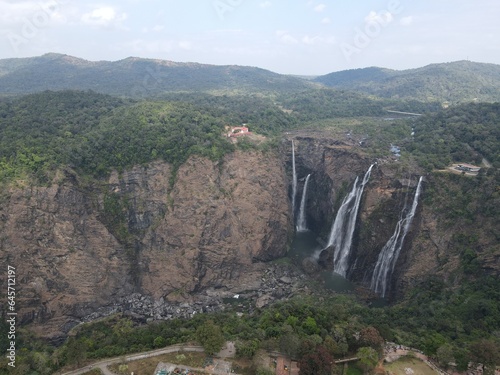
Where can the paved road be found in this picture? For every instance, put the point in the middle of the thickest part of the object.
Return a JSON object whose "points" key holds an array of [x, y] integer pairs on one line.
{"points": [[134, 357]]}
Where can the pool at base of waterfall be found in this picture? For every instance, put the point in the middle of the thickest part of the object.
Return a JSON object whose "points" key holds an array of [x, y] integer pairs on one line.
{"points": [[306, 245]]}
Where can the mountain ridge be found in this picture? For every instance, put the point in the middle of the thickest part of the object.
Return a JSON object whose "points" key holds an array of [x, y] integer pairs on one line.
{"points": [[136, 77], [454, 82], [457, 81]]}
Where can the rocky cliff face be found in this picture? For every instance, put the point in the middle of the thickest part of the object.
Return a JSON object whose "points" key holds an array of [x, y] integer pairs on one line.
{"points": [[67, 262], [136, 239], [334, 166], [77, 248]]}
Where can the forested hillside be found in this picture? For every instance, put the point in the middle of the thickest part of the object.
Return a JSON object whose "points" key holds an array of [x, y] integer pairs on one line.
{"points": [[95, 133], [136, 77], [466, 133], [461, 81], [456, 82]]}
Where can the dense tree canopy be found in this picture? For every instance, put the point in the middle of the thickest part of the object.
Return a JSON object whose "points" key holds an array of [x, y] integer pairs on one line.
{"points": [[466, 134], [210, 337]]}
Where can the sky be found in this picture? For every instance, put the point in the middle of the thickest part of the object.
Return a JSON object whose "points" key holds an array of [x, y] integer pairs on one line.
{"points": [[303, 37]]}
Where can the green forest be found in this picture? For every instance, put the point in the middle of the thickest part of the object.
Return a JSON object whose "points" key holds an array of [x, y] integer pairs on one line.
{"points": [[95, 133]]}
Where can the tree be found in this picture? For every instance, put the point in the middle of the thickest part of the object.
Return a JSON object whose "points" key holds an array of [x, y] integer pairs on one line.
{"points": [[331, 345], [432, 342], [289, 344], [461, 356], [486, 353], [76, 352], [369, 336], [444, 355], [368, 357], [319, 362], [159, 342], [310, 326], [209, 335], [247, 349]]}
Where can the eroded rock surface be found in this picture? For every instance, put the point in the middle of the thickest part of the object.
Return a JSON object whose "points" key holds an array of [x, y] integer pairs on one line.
{"points": [[77, 248]]}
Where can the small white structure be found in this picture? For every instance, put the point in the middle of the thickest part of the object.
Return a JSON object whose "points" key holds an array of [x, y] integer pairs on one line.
{"points": [[467, 168]]}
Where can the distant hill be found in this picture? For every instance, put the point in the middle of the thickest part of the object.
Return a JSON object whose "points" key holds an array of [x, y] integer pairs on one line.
{"points": [[136, 77], [461, 81]]}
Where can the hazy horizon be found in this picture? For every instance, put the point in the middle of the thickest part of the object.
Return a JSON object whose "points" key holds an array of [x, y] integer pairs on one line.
{"points": [[251, 66], [305, 37]]}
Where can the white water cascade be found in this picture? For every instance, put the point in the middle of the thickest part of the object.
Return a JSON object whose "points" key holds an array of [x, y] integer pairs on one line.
{"points": [[294, 181], [390, 252], [343, 226], [301, 221]]}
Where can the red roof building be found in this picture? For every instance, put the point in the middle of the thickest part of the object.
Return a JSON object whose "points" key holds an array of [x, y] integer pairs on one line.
{"points": [[238, 131]]}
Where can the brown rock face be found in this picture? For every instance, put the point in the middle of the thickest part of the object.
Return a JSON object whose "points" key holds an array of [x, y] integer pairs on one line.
{"points": [[76, 249], [221, 219], [67, 263]]}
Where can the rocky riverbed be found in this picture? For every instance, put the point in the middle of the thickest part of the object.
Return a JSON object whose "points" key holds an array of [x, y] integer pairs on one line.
{"points": [[276, 282]]}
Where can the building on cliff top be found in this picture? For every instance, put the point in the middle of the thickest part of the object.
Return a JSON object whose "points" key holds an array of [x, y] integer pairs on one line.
{"points": [[467, 168], [238, 131]]}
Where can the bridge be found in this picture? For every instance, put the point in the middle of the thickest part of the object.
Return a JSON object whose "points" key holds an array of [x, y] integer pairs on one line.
{"points": [[346, 360]]}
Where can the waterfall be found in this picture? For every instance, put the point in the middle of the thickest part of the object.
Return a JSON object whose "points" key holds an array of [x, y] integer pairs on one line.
{"points": [[301, 222], [390, 252], [294, 181], [343, 226]]}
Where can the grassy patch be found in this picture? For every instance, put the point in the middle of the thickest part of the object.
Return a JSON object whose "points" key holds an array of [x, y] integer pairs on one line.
{"points": [[96, 371], [402, 367], [354, 370]]}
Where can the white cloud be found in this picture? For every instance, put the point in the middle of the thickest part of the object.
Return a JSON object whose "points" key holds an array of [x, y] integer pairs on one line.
{"points": [[382, 18], [406, 21], [326, 21], [104, 16], [310, 40], [265, 4], [39, 13], [285, 37], [320, 8], [317, 39]]}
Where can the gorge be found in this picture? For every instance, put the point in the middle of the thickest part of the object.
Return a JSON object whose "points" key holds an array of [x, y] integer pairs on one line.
{"points": [[81, 248], [132, 222]]}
